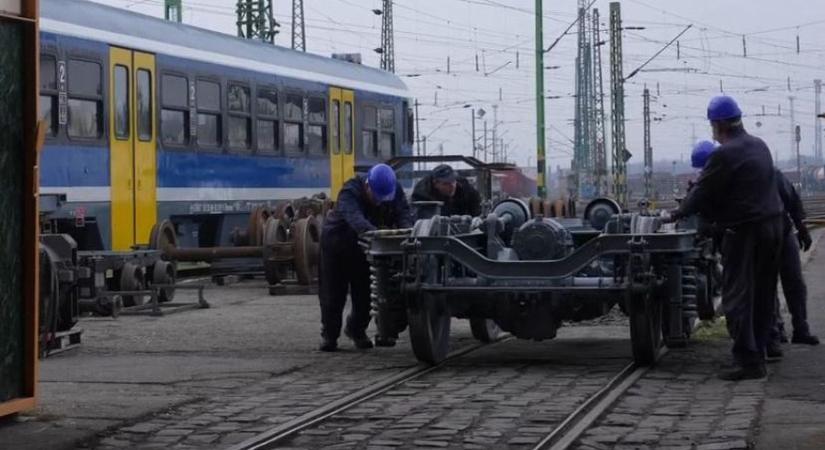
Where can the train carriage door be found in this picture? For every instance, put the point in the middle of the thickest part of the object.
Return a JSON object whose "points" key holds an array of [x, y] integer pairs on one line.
{"points": [[348, 134], [342, 138], [145, 145], [121, 143], [132, 140], [335, 157]]}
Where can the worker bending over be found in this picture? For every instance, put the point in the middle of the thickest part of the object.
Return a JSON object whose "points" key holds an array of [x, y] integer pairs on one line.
{"points": [[376, 201]]}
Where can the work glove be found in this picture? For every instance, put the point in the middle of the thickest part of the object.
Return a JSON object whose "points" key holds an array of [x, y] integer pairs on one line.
{"points": [[804, 238]]}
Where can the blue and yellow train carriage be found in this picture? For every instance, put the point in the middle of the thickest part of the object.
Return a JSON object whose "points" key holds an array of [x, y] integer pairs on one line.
{"points": [[150, 119]]}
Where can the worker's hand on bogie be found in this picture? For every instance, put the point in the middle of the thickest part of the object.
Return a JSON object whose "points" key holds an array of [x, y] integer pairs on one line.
{"points": [[669, 216], [804, 238]]}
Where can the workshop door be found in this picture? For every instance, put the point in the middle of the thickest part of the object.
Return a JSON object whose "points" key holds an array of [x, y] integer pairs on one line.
{"points": [[133, 140]]}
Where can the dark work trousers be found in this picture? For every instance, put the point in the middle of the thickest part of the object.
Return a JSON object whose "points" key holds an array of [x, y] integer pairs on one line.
{"points": [[343, 269], [750, 255], [793, 285]]}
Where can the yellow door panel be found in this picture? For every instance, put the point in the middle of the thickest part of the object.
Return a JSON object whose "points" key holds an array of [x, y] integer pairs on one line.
{"points": [[145, 143], [335, 157], [121, 135], [348, 134]]}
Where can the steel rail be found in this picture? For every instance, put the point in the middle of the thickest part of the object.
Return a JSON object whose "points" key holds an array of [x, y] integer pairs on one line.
{"points": [[575, 424], [269, 438]]}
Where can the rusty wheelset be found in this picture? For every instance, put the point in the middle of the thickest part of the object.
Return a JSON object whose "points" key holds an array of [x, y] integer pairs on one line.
{"points": [[286, 238]]}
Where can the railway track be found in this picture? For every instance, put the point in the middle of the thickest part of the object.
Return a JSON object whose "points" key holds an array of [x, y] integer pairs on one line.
{"points": [[578, 417]]}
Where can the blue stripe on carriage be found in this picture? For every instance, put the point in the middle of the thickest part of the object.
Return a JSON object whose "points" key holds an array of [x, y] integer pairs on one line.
{"points": [[188, 169], [64, 165]]}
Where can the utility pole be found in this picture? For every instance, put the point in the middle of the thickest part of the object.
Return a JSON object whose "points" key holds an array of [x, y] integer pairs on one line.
{"points": [[417, 134], [485, 141], [541, 186], [793, 124], [299, 37], [473, 111], [387, 38], [620, 153], [173, 10], [495, 129], [648, 150], [255, 20], [600, 160], [584, 106], [797, 138], [817, 126]]}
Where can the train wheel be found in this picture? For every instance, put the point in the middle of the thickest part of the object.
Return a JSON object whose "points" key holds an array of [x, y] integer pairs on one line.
{"points": [[485, 330], [284, 212], [132, 279], [257, 220], [163, 237], [275, 232], [645, 328], [164, 272], [430, 328], [306, 235]]}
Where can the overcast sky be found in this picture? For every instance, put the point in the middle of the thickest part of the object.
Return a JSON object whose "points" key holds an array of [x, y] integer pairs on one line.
{"points": [[501, 34]]}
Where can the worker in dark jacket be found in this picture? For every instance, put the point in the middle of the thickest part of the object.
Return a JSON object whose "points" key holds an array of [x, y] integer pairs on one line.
{"points": [[364, 204], [790, 271], [443, 184], [740, 179]]}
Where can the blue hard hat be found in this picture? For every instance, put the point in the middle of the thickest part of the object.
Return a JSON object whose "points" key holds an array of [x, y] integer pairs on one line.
{"points": [[723, 107], [381, 180], [701, 153]]}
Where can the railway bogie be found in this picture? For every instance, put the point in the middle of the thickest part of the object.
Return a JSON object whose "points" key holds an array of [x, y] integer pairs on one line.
{"points": [[527, 276]]}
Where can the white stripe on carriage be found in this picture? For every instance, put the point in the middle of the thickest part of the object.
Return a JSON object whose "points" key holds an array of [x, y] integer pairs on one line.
{"points": [[89, 194], [232, 194], [84, 194], [137, 43]]}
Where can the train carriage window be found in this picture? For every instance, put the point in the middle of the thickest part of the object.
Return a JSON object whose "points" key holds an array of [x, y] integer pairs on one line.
{"points": [[386, 144], [48, 93], [294, 124], [386, 118], [121, 102], [85, 105], [317, 130], [174, 115], [335, 127], [268, 124], [144, 105], [386, 137], [294, 107], [267, 136], [347, 128], [210, 133], [267, 103], [370, 117], [84, 77], [240, 118], [369, 134]]}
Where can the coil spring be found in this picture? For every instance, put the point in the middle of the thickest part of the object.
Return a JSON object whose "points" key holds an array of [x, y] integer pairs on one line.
{"points": [[690, 288]]}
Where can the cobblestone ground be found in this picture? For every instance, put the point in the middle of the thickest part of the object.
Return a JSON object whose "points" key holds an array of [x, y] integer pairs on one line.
{"points": [[230, 413], [507, 395], [682, 405]]}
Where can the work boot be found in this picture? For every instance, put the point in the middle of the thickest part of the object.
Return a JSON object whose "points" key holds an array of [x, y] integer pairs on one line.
{"points": [[328, 345], [745, 372], [362, 342], [384, 341], [805, 339], [774, 350]]}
